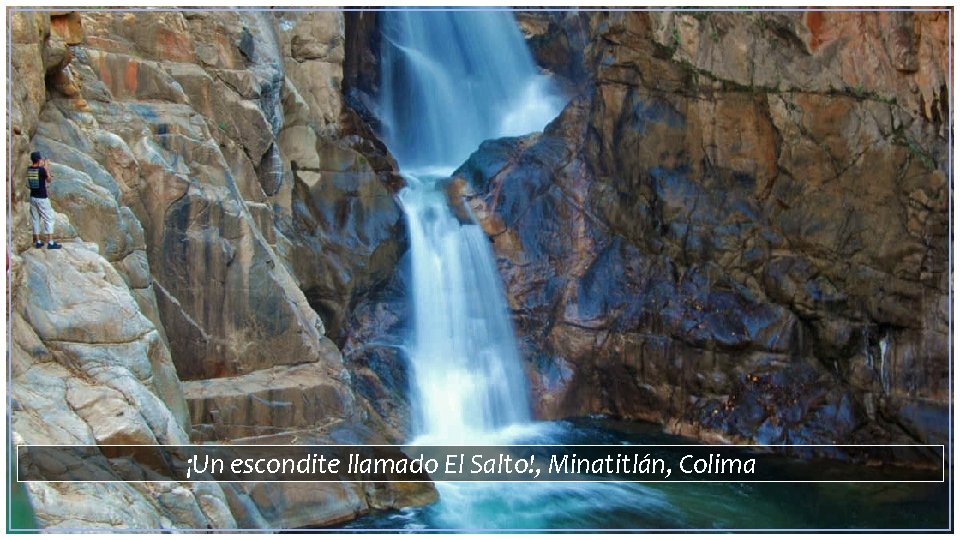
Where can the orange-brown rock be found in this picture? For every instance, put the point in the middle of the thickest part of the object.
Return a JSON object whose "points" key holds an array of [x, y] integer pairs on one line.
{"points": [[68, 26]]}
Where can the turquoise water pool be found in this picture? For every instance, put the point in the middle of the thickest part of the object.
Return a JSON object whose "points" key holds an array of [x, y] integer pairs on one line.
{"points": [[670, 506]]}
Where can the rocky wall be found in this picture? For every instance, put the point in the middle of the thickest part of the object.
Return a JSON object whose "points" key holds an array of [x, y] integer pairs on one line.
{"points": [[220, 210], [738, 228]]}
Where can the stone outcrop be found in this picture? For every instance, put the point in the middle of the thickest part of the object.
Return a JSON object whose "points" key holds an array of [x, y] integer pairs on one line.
{"points": [[202, 207], [88, 368], [267, 401], [738, 229], [219, 204], [558, 41], [344, 233]]}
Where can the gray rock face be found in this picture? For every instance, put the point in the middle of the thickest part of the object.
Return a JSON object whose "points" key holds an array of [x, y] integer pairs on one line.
{"points": [[89, 369]]}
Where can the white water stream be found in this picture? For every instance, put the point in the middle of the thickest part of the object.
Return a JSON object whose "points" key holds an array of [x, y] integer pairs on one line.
{"points": [[450, 80]]}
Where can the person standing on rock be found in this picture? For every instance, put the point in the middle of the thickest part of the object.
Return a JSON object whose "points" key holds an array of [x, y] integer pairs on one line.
{"points": [[41, 212]]}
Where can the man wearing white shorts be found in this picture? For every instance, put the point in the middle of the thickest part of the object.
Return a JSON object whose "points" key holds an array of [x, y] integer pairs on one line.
{"points": [[41, 213]]}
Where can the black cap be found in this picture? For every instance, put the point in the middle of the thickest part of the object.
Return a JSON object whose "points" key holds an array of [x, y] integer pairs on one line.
{"points": [[35, 157]]}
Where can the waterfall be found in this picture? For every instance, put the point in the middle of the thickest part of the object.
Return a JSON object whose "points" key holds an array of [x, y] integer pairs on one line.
{"points": [[450, 80], [884, 369], [466, 367]]}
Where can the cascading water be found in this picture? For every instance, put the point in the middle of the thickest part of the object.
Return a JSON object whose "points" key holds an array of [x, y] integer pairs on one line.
{"points": [[450, 80], [465, 362]]}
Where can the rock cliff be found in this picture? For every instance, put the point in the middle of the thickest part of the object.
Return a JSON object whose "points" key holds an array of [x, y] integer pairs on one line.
{"points": [[739, 225], [221, 209]]}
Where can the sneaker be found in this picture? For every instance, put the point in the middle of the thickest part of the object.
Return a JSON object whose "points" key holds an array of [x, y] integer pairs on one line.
{"points": [[54, 245], [38, 245]]}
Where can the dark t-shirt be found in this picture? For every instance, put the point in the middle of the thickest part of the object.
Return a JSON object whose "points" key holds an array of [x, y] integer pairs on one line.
{"points": [[37, 180]]}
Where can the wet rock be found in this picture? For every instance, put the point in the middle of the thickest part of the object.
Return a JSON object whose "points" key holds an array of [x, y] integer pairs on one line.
{"points": [[342, 198], [361, 71], [373, 350], [557, 40]]}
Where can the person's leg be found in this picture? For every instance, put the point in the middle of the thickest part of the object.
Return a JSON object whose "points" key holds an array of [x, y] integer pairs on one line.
{"points": [[35, 222], [48, 217]]}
